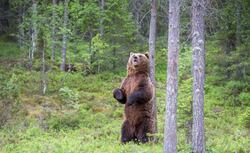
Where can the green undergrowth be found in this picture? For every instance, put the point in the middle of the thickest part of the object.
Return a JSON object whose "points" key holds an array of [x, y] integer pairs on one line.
{"points": [[79, 114], [9, 50]]}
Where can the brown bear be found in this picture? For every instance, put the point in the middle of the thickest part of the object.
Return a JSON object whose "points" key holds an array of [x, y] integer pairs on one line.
{"points": [[136, 92]]}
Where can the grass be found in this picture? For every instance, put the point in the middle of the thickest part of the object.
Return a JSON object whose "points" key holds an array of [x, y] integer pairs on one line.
{"points": [[94, 126], [84, 117], [9, 50]]}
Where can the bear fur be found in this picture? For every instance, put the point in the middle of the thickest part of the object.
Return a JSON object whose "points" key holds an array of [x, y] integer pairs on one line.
{"points": [[136, 92]]}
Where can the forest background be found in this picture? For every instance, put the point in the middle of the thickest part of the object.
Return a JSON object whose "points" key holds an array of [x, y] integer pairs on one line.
{"points": [[60, 61]]}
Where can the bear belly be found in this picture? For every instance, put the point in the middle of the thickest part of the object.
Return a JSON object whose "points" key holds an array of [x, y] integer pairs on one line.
{"points": [[136, 114]]}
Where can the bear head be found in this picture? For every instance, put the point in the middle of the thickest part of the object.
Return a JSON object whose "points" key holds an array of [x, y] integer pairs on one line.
{"points": [[138, 63]]}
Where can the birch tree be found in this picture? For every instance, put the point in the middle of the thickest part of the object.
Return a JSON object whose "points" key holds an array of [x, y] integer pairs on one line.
{"points": [[42, 46], [33, 31], [53, 44], [64, 41], [198, 39], [151, 44], [170, 138]]}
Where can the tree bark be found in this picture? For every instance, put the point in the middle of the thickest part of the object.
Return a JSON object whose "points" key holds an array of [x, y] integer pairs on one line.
{"points": [[170, 138], [137, 10], [198, 41], [41, 48], [151, 44], [92, 54], [33, 31], [240, 68], [64, 43], [53, 45], [43, 80]]}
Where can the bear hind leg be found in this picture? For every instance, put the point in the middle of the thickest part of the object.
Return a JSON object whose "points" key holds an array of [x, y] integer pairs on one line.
{"points": [[142, 133], [127, 132]]}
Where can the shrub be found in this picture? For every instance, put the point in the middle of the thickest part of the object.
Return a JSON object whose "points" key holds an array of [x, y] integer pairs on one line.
{"points": [[68, 96], [9, 89], [9, 93], [64, 122], [245, 119]]}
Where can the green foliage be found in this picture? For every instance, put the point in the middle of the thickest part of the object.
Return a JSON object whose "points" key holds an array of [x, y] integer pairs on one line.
{"points": [[245, 118], [99, 59], [78, 113], [161, 65], [97, 120], [185, 100], [9, 89], [84, 42], [244, 98], [9, 50], [9, 96], [236, 93], [68, 96], [185, 62], [64, 122]]}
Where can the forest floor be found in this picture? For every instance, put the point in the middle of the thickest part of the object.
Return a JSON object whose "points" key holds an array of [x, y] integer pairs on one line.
{"points": [[78, 114]]}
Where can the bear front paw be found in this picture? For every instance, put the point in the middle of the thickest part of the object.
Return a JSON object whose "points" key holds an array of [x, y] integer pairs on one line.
{"points": [[118, 95]]}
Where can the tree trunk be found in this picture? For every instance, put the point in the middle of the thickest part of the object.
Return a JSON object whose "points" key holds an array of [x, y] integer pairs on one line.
{"points": [[151, 44], [137, 6], [53, 45], [41, 48], [170, 138], [136, 10], [114, 55], [102, 4], [33, 31], [92, 56], [43, 80], [240, 68], [64, 43], [75, 50], [198, 41]]}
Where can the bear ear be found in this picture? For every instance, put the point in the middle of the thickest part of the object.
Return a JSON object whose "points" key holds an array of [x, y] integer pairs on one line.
{"points": [[146, 54], [131, 53]]}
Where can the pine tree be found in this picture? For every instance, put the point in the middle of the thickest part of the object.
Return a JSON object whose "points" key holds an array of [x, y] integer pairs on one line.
{"points": [[53, 43], [33, 31], [151, 44], [65, 37], [198, 41], [170, 138]]}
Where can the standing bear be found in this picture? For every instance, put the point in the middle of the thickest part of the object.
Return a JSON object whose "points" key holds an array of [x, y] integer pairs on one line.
{"points": [[136, 92]]}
